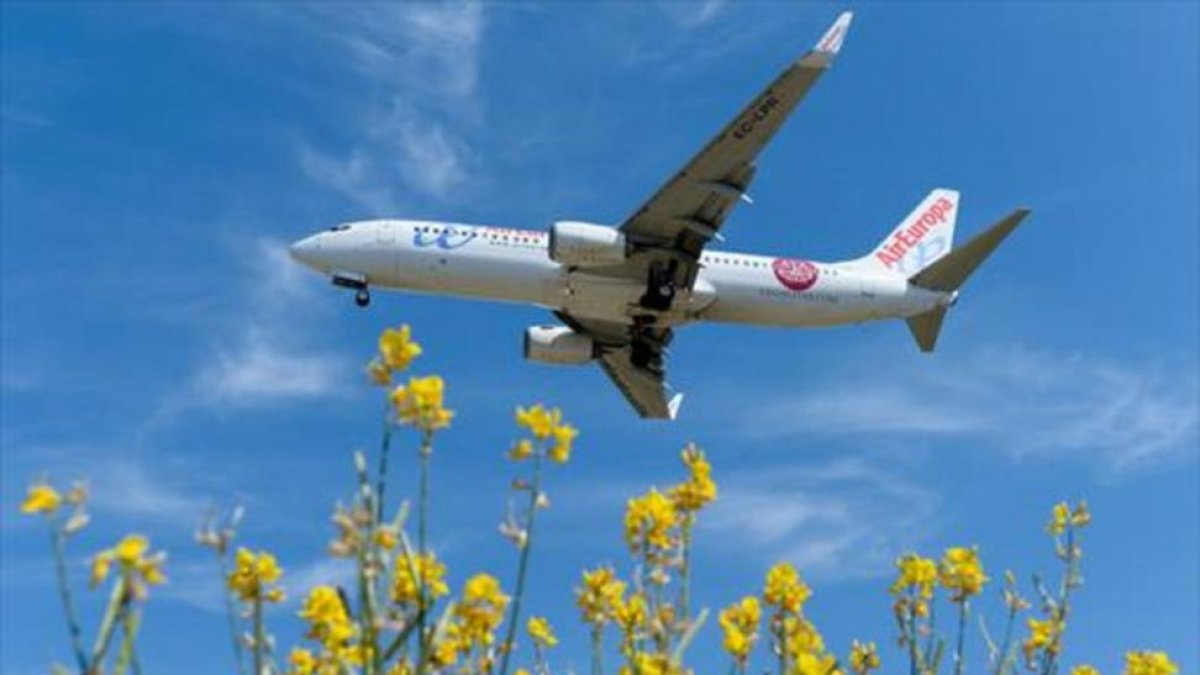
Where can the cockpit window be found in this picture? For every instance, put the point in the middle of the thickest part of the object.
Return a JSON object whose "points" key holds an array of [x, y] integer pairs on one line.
{"points": [[339, 228]]}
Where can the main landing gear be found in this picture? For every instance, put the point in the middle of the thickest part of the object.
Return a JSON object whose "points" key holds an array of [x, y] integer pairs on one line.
{"points": [[362, 297], [660, 287]]}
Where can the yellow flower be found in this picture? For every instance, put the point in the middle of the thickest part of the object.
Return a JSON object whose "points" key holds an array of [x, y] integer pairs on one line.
{"points": [[564, 436], [784, 589], [130, 554], [1012, 597], [649, 520], [1149, 663], [1084, 670], [961, 572], [421, 403], [541, 632], [540, 421], [379, 373], [397, 349], [915, 573], [802, 637], [130, 549], [1063, 515], [815, 664], [1043, 636], [404, 666], [385, 538], [739, 622], [863, 657], [328, 621], [523, 449], [649, 664], [600, 595], [1081, 516], [481, 609], [1059, 516], [302, 661], [101, 564], [630, 615], [448, 646], [41, 498], [699, 488], [430, 570], [252, 573]]}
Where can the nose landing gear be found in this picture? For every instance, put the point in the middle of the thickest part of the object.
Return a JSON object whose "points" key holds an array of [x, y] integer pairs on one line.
{"points": [[356, 282]]}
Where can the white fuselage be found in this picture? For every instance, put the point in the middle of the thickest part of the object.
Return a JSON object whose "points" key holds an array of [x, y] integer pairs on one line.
{"points": [[513, 265]]}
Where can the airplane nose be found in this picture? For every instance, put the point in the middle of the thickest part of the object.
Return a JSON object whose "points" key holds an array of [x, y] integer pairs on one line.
{"points": [[306, 250]]}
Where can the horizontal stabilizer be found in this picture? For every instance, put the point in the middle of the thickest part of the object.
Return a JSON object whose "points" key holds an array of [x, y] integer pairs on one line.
{"points": [[925, 328], [952, 270]]}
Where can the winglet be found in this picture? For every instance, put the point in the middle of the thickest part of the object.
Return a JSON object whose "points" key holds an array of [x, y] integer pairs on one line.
{"points": [[831, 42], [674, 403]]}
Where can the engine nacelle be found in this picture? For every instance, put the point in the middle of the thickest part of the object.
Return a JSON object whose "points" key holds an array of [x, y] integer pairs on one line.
{"points": [[586, 245], [558, 345]]}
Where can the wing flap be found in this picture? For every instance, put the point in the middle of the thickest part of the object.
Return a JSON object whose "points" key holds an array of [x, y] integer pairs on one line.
{"points": [[644, 389]]}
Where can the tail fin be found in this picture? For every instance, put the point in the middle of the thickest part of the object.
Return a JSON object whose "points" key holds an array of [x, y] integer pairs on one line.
{"points": [[951, 271], [922, 238]]}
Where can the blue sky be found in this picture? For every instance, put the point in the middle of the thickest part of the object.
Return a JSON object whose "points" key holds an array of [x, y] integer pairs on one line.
{"points": [[157, 339]]}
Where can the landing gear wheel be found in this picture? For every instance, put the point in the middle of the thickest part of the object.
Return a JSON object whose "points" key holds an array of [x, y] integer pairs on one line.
{"points": [[660, 288], [362, 297]]}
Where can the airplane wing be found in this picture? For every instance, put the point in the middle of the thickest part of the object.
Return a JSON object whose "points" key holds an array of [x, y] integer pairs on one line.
{"points": [[669, 232], [641, 377], [643, 388], [688, 211]]}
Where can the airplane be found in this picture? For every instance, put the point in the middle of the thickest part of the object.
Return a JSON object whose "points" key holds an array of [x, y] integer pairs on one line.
{"points": [[620, 292]]}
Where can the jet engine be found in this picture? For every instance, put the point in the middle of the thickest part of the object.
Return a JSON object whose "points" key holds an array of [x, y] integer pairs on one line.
{"points": [[558, 345], [578, 244]]}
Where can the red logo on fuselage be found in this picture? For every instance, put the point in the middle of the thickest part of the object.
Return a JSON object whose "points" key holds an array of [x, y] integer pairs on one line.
{"points": [[909, 237], [797, 275]]}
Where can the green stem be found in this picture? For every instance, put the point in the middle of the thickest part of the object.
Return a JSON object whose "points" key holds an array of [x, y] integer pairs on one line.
{"points": [[597, 638], [58, 542], [260, 637], [962, 631], [422, 508], [522, 566], [1008, 631], [910, 630], [385, 447], [231, 616], [116, 601], [781, 635], [366, 601], [685, 573], [126, 657]]}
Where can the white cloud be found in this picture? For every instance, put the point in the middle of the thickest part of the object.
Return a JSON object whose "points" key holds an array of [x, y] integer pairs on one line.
{"points": [[129, 488], [399, 142], [431, 47], [692, 14], [419, 64], [1027, 402], [261, 359], [121, 483], [257, 370], [846, 518]]}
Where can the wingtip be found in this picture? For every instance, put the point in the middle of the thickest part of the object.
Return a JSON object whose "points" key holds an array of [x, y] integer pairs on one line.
{"points": [[831, 42], [673, 405]]}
